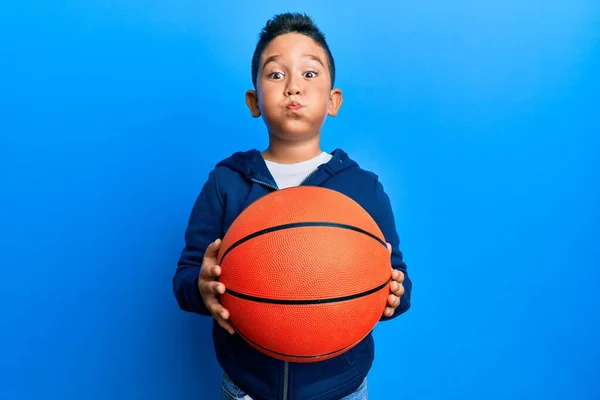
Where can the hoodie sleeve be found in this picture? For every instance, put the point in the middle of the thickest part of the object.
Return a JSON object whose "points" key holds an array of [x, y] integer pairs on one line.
{"points": [[384, 216], [204, 227]]}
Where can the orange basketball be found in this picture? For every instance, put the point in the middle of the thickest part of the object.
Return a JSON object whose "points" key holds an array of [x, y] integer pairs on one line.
{"points": [[307, 273]]}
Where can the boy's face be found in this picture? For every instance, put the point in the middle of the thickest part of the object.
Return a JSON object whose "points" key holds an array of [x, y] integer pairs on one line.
{"points": [[294, 93]]}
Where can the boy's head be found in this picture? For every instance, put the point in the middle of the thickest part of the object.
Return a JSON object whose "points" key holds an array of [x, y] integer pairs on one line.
{"points": [[293, 74], [290, 23]]}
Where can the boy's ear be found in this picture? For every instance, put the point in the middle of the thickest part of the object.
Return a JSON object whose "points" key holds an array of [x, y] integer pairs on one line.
{"points": [[335, 102], [252, 102]]}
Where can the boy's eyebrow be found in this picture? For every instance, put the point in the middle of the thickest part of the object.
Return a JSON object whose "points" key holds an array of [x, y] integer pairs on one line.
{"points": [[270, 59], [316, 58], [274, 57]]}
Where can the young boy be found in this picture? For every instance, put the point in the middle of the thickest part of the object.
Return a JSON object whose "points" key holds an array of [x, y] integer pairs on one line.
{"points": [[293, 73]]}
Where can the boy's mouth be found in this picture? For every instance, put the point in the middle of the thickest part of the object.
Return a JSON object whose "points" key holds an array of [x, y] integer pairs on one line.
{"points": [[294, 105]]}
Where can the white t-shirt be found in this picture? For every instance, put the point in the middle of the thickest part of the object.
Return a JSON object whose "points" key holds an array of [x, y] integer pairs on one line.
{"points": [[289, 175]]}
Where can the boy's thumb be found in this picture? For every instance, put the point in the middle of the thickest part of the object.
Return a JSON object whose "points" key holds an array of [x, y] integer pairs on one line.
{"points": [[212, 250]]}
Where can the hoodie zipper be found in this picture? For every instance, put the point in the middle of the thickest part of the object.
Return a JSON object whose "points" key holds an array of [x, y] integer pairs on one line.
{"points": [[308, 177], [286, 375], [264, 184], [276, 188]]}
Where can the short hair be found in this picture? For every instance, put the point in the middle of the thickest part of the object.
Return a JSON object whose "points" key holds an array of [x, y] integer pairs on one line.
{"points": [[290, 23]]}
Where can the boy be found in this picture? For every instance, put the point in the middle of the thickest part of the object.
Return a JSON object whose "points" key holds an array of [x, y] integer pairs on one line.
{"points": [[293, 74]]}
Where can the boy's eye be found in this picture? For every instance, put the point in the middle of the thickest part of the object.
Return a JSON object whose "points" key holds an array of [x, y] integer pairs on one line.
{"points": [[275, 75], [310, 74]]}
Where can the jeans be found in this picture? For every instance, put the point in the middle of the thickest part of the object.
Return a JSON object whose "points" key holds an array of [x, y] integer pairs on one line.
{"points": [[229, 391]]}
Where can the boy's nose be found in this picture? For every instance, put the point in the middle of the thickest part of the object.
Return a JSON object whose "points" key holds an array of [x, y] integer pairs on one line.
{"points": [[292, 88]]}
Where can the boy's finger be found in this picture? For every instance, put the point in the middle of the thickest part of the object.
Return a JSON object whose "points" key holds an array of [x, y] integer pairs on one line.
{"points": [[209, 272], [215, 271], [225, 325], [217, 310], [393, 300], [222, 315], [398, 275], [215, 287], [205, 272], [207, 288], [212, 303], [388, 312], [212, 251], [397, 288]]}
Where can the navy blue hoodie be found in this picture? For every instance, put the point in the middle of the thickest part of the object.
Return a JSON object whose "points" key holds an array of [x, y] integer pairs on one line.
{"points": [[231, 186]]}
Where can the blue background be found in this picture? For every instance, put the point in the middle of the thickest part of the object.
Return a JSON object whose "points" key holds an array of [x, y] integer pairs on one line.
{"points": [[482, 119]]}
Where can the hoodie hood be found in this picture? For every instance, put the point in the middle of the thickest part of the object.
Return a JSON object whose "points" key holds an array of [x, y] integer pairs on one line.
{"points": [[252, 165]]}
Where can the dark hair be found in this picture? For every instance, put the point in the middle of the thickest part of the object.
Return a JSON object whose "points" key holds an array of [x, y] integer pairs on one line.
{"points": [[287, 23]]}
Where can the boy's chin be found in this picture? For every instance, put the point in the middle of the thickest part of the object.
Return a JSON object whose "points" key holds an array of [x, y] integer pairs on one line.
{"points": [[295, 136], [295, 132]]}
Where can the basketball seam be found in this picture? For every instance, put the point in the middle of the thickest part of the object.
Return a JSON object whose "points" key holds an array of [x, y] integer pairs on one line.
{"points": [[292, 355], [299, 225], [307, 301]]}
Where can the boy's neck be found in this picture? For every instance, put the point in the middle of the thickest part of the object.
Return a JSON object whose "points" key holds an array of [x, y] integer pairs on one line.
{"points": [[292, 152]]}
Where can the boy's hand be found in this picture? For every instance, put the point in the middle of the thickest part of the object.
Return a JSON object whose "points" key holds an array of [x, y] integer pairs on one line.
{"points": [[396, 288], [210, 288]]}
